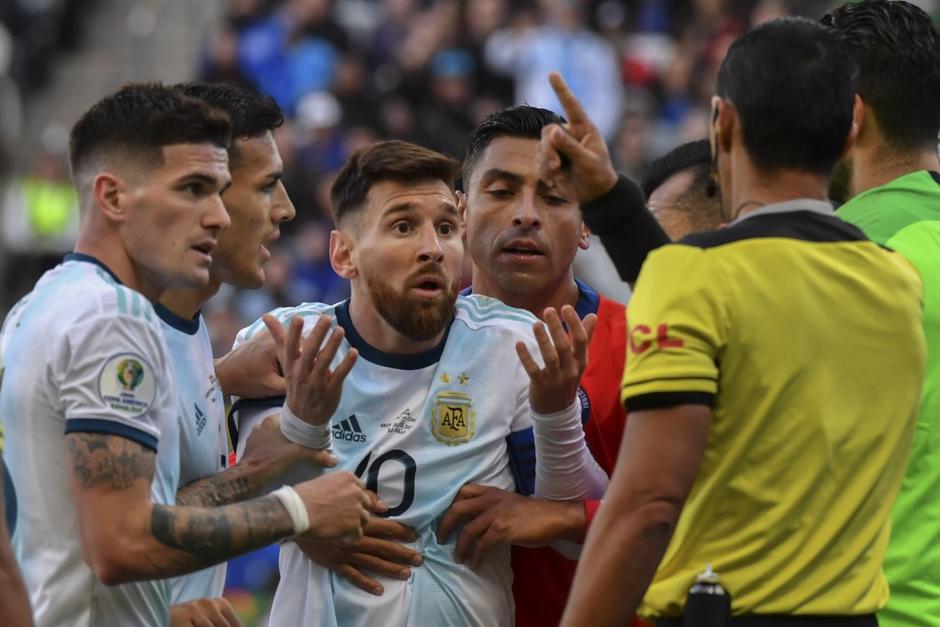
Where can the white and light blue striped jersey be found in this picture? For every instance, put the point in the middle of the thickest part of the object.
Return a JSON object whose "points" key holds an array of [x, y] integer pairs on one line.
{"points": [[82, 353], [416, 428], [203, 437]]}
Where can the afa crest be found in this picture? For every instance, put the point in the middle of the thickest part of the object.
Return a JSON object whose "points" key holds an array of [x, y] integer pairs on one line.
{"points": [[453, 420]]}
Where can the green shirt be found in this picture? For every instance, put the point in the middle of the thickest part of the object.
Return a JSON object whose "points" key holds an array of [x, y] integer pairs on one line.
{"points": [[905, 215]]}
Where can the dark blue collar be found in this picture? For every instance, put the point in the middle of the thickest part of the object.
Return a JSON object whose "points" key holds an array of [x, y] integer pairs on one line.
{"points": [[188, 326], [381, 358], [588, 300], [90, 259], [936, 176]]}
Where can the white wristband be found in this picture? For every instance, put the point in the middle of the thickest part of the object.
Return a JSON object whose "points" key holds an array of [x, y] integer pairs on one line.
{"points": [[295, 507], [305, 434], [559, 416]]}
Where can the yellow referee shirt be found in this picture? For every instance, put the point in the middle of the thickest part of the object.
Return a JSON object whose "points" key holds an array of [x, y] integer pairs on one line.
{"points": [[806, 340]]}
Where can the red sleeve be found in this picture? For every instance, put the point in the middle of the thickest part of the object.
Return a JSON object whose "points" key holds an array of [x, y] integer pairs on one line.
{"points": [[590, 512]]}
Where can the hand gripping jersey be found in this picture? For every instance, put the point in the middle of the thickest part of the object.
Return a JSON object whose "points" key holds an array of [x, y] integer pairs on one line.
{"points": [[203, 439], [82, 354], [416, 429]]}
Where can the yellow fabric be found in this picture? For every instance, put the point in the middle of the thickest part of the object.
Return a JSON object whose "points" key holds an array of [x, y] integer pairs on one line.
{"points": [[814, 352]]}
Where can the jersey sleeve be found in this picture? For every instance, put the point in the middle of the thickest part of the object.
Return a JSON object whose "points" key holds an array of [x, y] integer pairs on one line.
{"points": [[112, 378], [677, 328]]}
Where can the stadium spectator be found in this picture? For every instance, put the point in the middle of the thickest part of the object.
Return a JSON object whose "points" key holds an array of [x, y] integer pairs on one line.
{"points": [[783, 451], [894, 175]]}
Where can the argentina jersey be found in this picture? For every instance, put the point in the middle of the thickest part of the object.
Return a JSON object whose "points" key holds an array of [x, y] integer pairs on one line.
{"points": [[415, 429], [203, 439], [82, 354]]}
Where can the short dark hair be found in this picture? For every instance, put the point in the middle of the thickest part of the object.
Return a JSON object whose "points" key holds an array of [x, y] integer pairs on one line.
{"points": [[392, 160], [139, 119], [797, 116], [521, 121], [897, 47], [252, 114], [700, 200], [695, 156]]}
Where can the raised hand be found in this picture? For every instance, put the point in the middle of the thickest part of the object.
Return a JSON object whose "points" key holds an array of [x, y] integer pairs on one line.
{"points": [[555, 387], [313, 389], [252, 370], [380, 551], [575, 156], [338, 506]]}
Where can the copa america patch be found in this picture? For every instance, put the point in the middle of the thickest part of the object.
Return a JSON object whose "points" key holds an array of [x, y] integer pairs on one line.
{"points": [[126, 384]]}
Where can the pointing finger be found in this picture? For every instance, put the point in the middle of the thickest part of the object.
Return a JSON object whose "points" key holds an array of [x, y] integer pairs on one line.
{"points": [[572, 107]]}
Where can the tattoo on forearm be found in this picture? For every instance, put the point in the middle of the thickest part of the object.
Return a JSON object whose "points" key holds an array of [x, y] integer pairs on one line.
{"points": [[224, 488], [107, 460], [209, 536]]}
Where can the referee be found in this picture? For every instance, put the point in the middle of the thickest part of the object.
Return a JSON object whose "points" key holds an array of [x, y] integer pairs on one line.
{"points": [[774, 375]]}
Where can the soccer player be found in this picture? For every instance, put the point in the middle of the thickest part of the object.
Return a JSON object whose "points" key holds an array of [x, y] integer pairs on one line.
{"points": [[89, 405], [894, 176], [257, 204], [441, 383], [754, 405]]}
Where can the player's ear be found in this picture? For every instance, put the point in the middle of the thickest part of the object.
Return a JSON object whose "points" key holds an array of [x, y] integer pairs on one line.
{"points": [[110, 194], [461, 206], [342, 258], [858, 114], [584, 239], [725, 123]]}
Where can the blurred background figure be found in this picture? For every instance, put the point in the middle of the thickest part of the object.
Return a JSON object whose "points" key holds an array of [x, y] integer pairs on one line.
{"points": [[348, 73]]}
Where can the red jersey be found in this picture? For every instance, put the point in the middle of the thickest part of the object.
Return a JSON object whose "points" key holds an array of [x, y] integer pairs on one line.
{"points": [[542, 577]]}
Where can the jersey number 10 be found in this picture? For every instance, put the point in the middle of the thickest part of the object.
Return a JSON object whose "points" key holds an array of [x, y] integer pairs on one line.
{"points": [[372, 477]]}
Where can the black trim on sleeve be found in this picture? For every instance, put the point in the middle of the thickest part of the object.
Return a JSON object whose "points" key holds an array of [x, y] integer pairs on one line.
{"points": [[627, 229], [111, 427], [665, 400], [268, 402]]}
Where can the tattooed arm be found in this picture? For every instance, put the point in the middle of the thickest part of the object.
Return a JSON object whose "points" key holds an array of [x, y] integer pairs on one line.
{"points": [[125, 537], [268, 455]]}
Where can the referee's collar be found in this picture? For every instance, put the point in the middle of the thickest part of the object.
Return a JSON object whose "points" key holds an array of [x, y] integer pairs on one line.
{"points": [[822, 207]]}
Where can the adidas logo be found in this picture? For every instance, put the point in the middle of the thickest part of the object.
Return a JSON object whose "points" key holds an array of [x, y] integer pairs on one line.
{"points": [[349, 430], [200, 420]]}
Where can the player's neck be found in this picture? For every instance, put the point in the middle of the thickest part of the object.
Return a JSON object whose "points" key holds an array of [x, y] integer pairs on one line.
{"points": [[373, 328], [752, 188], [874, 167], [186, 303], [120, 264], [564, 292]]}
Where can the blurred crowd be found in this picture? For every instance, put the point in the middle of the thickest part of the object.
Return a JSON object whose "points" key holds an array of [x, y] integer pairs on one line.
{"points": [[351, 72]]}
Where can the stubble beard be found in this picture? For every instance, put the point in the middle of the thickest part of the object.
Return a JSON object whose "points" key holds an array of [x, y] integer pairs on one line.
{"points": [[419, 319]]}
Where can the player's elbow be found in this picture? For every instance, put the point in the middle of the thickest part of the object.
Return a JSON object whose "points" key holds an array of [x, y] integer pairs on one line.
{"points": [[114, 561], [111, 570], [657, 518]]}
